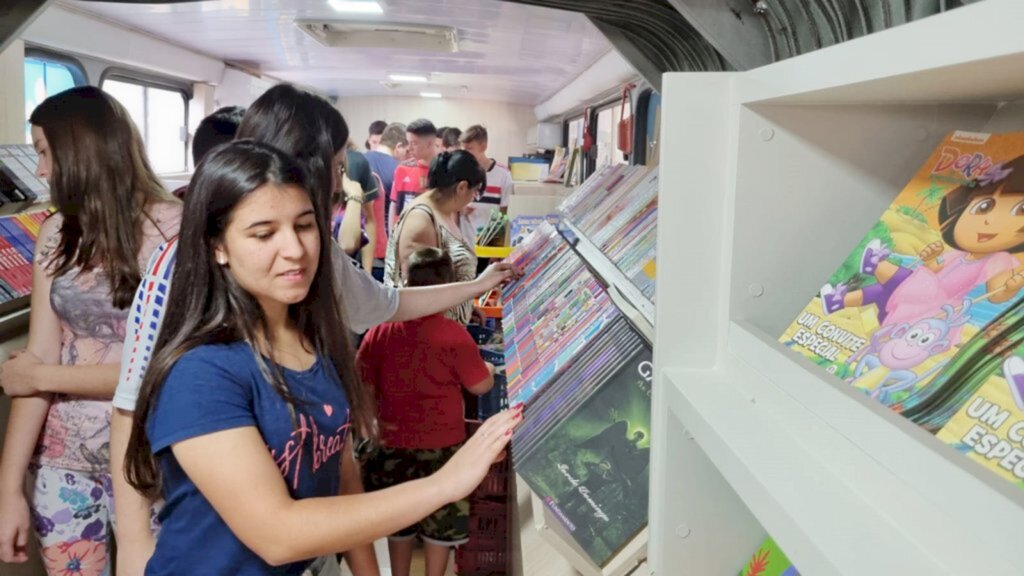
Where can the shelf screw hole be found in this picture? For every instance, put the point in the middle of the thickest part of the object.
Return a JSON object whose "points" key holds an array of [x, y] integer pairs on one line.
{"points": [[683, 531], [755, 290], [767, 133]]}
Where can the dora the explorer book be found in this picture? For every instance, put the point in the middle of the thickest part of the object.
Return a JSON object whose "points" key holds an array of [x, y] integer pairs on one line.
{"points": [[945, 258], [989, 426]]}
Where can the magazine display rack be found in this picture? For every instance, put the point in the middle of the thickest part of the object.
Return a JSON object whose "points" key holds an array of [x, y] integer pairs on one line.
{"points": [[786, 166], [594, 346]]}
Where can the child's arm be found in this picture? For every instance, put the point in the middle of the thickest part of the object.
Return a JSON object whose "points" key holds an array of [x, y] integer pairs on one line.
{"points": [[233, 469], [930, 256], [484, 386], [477, 375], [1005, 285]]}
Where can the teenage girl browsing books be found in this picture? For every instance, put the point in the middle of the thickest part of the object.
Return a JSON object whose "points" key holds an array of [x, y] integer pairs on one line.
{"points": [[112, 212], [245, 410], [310, 129]]}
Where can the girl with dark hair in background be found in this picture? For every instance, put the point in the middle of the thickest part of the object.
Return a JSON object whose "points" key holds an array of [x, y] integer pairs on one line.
{"points": [[112, 213], [244, 416], [434, 219], [313, 132]]}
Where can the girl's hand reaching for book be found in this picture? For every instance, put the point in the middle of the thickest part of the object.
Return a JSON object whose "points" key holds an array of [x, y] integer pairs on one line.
{"points": [[496, 274], [468, 467], [931, 252]]}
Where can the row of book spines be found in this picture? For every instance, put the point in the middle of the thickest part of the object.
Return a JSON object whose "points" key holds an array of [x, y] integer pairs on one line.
{"points": [[607, 205], [620, 222], [522, 355], [525, 361], [18, 236]]}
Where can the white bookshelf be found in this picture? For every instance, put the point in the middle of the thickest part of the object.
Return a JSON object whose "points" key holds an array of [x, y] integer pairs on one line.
{"points": [[545, 533], [781, 170]]}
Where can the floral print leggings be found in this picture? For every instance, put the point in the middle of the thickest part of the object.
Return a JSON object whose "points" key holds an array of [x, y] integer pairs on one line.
{"points": [[71, 514]]}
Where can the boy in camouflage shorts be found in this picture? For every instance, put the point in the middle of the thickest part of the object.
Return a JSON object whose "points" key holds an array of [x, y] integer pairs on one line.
{"points": [[417, 370]]}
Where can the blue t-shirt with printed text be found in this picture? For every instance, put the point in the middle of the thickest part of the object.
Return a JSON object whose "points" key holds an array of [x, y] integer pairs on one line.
{"points": [[220, 387]]}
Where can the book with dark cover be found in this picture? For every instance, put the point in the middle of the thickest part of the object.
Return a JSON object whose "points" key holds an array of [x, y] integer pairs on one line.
{"points": [[591, 470]]}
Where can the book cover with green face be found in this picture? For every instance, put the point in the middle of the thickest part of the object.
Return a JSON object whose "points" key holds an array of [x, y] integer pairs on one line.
{"points": [[769, 560], [592, 469]]}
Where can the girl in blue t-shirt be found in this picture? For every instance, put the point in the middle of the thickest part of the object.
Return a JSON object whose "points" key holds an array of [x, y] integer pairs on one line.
{"points": [[244, 417]]}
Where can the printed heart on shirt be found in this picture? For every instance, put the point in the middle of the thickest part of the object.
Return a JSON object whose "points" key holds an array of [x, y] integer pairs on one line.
{"points": [[328, 409]]}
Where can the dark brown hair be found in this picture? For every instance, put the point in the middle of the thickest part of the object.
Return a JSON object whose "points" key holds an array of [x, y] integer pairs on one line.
{"points": [[101, 183], [422, 127], [956, 202], [430, 267], [450, 168], [211, 308], [450, 137], [304, 125]]}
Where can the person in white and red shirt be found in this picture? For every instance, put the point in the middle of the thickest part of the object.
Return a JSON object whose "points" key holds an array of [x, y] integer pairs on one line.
{"points": [[499, 179]]}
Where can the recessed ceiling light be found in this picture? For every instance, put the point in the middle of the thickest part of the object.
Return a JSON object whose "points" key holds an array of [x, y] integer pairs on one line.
{"points": [[407, 78], [430, 94], [357, 6]]}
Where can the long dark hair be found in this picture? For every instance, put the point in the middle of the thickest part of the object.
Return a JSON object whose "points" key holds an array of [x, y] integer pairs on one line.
{"points": [[210, 307], [304, 125], [312, 131], [101, 184]]}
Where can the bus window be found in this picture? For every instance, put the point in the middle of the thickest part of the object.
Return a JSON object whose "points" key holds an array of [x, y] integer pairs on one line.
{"points": [[161, 116], [575, 134], [45, 77]]}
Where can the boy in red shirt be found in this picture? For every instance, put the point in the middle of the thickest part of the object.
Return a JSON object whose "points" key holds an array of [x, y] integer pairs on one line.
{"points": [[417, 370], [410, 178]]}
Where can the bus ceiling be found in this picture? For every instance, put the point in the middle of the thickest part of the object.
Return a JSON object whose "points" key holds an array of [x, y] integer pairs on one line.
{"points": [[658, 36]]}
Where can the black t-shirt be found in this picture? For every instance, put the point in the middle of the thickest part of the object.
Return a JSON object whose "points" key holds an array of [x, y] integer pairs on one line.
{"points": [[359, 171]]}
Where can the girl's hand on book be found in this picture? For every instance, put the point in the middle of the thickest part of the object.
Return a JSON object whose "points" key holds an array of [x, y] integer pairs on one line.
{"points": [[468, 467]]}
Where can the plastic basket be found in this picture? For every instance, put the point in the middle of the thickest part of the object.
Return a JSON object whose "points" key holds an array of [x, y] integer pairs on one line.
{"points": [[470, 562], [495, 484]]}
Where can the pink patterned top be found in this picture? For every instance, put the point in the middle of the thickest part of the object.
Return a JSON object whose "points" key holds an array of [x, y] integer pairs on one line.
{"points": [[77, 431]]}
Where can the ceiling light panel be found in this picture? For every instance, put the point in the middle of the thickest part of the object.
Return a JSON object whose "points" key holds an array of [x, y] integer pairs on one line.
{"points": [[394, 35], [408, 78], [356, 6]]}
